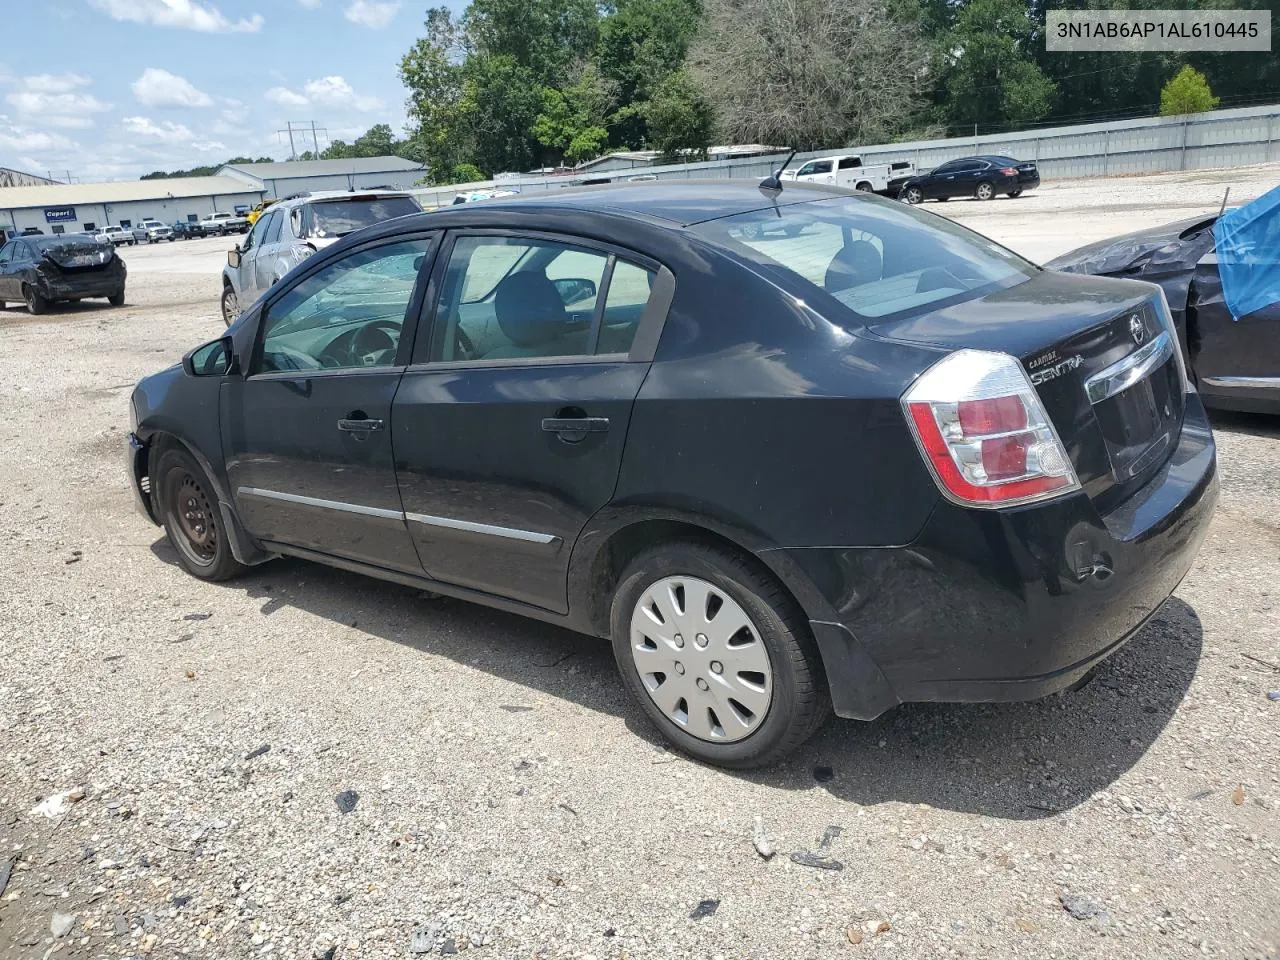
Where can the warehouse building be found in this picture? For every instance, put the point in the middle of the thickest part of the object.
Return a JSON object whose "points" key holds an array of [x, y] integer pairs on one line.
{"points": [[285, 179], [73, 208]]}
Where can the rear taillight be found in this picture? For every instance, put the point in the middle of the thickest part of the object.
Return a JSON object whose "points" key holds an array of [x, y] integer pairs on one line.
{"points": [[984, 433], [1010, 171]]}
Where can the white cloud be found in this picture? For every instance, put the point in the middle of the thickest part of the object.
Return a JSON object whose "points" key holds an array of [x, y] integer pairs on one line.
{"points": [[160, 88], [32, 141], [210, 146], [56, 100], [286, 97], [166, 132], [371, 13], [182, 14], [336, 91], [309, 4]]}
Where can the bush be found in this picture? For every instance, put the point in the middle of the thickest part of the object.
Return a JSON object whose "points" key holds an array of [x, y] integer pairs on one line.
{"points": [[1187, 92]]}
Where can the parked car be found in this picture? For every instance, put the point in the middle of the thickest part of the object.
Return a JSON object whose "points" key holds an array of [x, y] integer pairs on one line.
{"points": [[40, 271], [116, 236], [292, 230], [849, 171], [1234, 360], [186, 230], [32, 232], [152, 231], [979, 177], [253, 215], [218, 224], [882, 460]]}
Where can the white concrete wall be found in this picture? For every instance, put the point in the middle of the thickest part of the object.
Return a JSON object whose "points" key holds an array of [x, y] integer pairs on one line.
{"points": [[100, 215]]}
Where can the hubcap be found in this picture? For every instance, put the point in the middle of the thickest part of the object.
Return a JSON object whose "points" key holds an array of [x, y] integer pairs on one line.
{"points": [[718, 687], [194, 514], [230, 306], [984, 192]]}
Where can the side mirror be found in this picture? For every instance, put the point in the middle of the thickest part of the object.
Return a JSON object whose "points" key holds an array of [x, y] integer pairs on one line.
{"points": [[233, 257], [215, 359], [575, 289]]}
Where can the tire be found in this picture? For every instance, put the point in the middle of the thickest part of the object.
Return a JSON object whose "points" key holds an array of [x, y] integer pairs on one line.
{"points": [[116, 299], [230, 304], [188, 508], [984, 191], [1015, 193], [863, 187], [769, 711], [913, 195], [36, 301]]}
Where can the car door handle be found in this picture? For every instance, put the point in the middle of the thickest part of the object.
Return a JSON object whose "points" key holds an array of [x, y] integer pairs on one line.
{"points": [[359, 426], [575, 424]]}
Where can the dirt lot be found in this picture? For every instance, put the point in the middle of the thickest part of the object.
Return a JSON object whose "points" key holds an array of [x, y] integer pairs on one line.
{"points": [[511, 803]]}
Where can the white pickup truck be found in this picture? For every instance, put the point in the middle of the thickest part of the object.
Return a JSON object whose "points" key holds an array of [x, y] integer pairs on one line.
{"points": [[215, 225], [848, 170]]}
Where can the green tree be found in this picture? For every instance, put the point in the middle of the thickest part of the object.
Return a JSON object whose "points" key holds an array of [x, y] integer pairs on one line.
{"points": [[1186, 92], [641, 44], [545, 37], [571, 122], [679, 120], [432, 72], [991, 78]]}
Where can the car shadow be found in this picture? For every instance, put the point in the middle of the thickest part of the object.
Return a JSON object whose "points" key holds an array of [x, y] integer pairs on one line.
{"points": [[1018, 761], [1252, 424]]}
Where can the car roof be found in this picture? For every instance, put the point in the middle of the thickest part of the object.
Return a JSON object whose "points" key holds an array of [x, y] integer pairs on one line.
{"points": [[679, 202], [323, 195]]}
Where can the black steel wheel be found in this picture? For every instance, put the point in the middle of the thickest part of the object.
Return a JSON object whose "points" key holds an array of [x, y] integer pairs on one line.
{"points": [[192, 520]]}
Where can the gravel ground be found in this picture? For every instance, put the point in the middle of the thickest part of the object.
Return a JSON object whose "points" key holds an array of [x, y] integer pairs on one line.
{"points": [[506, 801]]}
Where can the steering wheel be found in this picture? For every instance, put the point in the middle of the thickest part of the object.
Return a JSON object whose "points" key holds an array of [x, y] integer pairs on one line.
{"points": [[372, 341]]}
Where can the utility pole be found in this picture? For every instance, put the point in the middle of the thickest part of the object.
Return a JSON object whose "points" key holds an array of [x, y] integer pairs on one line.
{"points": [[300, 127]]}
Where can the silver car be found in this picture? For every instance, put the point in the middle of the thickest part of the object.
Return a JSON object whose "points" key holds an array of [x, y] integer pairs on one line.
{"points": [[290, 231]]}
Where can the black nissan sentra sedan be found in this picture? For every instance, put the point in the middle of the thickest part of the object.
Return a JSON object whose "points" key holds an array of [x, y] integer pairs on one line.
{"points": [[41, 271], [867, 458]]}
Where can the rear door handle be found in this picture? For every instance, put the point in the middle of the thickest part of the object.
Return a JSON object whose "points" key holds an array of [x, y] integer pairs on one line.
{"points": [[575, 424], [359, 426]]}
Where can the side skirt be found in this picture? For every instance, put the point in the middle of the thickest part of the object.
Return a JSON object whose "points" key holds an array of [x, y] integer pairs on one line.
{"points": [[425, 583]]}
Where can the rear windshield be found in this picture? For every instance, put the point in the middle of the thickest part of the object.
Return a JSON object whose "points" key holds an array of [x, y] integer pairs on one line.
{"points": [[337, 218], [877, 258], [67, 241]]}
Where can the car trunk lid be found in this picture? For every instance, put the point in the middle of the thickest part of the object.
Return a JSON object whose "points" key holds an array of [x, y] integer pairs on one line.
{"points": [[1100, 358], [74, 256]]}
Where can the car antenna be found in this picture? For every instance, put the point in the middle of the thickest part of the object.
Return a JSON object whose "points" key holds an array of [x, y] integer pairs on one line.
{"points": [[1223, 209], [773, 182]]}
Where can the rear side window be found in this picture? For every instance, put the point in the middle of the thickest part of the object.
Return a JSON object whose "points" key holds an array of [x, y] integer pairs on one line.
{"points": [[850, 163], [876, 258], [273, 228], [514, 298]]}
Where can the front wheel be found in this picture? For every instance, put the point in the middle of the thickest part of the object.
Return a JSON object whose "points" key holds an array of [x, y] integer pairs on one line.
{"points": [[189, 509], [230, 305], [717, 655], [913, 195], [984, 191]]}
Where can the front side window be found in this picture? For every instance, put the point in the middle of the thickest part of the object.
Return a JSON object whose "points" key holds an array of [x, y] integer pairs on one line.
{"points": [[822, 166], [877, 258], [254, 238], [6, 252], [347, 315], [511, 298]]}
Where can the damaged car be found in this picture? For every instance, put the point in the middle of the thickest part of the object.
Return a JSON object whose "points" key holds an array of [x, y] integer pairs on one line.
{"points": [[782, 472], [42, 271], [1221, 277]]}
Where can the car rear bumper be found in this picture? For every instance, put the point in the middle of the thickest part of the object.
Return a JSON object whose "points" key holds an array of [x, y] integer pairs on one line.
{"points": [[1009, 605], [98, 285]]}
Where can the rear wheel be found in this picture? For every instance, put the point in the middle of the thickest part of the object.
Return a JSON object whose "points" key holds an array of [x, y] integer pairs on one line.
{"points": [[863, 187], [230, 305], [984, 191], [36, 302], [1015, 193], [913, 195], [716, 655], [116, 299], [189, 509]]}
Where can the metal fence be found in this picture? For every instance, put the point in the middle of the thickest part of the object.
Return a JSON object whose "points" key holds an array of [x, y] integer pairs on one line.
{"points": [[1221, 138]]}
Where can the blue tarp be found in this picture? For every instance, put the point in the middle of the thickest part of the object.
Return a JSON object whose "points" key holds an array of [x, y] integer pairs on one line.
{"points": [[1248, 245]]}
